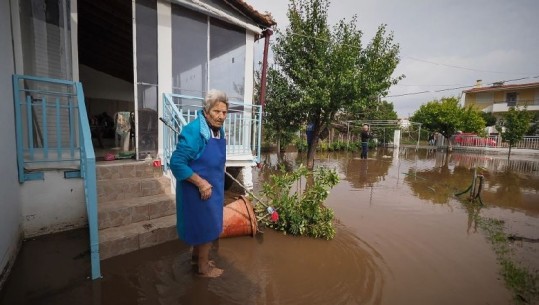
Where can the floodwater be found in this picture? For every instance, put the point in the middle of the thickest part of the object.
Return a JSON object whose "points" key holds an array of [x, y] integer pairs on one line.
{"points": [[402, 238]]}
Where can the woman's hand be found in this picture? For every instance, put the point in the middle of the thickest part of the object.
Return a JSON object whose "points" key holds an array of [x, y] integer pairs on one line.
{"points": [[205, 190], [204, 187]]}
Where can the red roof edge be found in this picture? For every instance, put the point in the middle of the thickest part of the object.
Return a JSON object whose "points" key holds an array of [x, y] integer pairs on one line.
{"points": [[503, 87], [264, 19]]}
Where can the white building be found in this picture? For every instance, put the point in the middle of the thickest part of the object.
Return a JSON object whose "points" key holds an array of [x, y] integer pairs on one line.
{"points": [[129, 56]]}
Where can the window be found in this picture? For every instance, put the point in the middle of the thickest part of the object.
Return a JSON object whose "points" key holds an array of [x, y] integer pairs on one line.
{"points": [[227, 59], [189, 52], [511, 98], [199, 62], [46, 38], [484, 97], [146, 17]]}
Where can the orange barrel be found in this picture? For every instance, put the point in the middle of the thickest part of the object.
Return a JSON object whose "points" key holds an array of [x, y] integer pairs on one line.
{"points": [[239, 219]]}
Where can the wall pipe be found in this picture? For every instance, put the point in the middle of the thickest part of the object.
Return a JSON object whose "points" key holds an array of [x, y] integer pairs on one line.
{"points": [[267, 33]]}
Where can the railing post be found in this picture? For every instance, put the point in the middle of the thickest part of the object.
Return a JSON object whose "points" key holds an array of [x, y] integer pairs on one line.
{"points": [[90, 182], [18, 127]]}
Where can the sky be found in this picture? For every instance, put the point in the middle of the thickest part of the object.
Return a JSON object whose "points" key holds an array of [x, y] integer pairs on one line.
{"points": [[444, 44]]}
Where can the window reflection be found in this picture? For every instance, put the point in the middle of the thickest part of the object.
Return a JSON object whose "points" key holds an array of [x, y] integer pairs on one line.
{"points": [[46, 38], [189, 52], [227, 59]]}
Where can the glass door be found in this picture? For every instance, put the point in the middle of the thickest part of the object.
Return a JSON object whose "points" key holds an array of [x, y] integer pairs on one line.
{"points": [[146, 78]]}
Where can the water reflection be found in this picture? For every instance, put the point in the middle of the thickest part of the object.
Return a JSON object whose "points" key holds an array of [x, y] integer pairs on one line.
{"points": [[440, 182], [366, 173], [513, 184], [431, 175], [275, 269]]}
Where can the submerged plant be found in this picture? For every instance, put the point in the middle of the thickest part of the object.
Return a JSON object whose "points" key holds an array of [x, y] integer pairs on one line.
{"points": [[523, 282], [299, 212]]}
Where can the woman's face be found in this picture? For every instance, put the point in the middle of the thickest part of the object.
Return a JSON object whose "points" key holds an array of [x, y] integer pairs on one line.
{"points": [[217, 115]]}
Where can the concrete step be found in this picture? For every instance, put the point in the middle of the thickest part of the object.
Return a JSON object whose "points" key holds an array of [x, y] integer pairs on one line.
{"points": [[123, 169], [119, 189], [124, 239], [126, 211]]}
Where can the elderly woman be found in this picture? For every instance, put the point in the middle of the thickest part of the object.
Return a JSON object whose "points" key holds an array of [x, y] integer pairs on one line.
{"points": [[198, 163]]}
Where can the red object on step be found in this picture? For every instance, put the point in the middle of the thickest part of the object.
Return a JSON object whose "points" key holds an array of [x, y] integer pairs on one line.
{"points": [[109, 157], [157, 163], [275, 216]]}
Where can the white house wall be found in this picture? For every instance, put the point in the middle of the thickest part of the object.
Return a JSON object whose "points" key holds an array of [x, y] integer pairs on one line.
{"points": [[164, 49], [249, 67], [52, 205], [10, 203], [105, 93], [94, 81]]}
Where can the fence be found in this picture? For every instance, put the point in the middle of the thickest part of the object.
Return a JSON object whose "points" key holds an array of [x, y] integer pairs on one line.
{"points": [[528, 142], [242, 126], [52, 131]]}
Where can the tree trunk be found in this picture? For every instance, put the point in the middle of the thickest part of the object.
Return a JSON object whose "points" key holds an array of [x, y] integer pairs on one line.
{"points": [[278, 145], [310, 153], [509, 154], [312, 148], [448, 148]]}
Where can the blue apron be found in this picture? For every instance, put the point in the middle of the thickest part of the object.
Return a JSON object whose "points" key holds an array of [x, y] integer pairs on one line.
{"points": [[201, 221]]}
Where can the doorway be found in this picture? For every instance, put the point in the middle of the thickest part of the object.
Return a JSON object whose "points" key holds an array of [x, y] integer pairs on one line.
{"points": [[105, 50]]}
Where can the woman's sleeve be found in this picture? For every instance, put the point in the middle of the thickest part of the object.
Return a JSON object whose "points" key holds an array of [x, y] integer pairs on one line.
{"points": [[186, 151]]}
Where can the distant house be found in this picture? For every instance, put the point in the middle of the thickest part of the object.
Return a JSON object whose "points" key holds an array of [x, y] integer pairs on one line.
{"points": [[498, 97], [404, 123]]}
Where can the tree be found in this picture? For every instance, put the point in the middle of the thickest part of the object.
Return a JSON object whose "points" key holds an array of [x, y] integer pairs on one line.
{"points": [[489, 118], [282, 115], [472, 120], [516, 122], [330, 69], [534, 127], [447, 117], [382, 111]]}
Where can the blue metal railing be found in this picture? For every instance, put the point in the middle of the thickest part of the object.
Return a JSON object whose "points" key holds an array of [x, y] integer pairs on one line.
{"points": [[52, 131], [242, 127]]}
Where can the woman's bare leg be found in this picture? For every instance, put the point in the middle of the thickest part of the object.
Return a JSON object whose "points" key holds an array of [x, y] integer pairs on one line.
{"points": [[204, 267]]}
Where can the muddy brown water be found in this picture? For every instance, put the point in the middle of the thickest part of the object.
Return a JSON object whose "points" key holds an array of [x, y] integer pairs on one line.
{"points": [[402, 238]]}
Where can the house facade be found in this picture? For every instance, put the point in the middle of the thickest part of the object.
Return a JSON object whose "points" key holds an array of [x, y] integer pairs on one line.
{"points": [[498, 98], [113, 57]]}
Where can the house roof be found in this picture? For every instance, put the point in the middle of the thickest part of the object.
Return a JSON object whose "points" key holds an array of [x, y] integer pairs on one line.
{"points": [[264, 19], [503, 88]]}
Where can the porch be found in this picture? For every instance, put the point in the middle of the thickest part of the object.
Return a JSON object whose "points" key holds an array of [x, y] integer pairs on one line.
{"points": [[53, 156]]}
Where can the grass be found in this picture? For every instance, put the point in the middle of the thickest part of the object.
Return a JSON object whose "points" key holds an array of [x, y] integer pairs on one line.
{"points": [[523, 283]]}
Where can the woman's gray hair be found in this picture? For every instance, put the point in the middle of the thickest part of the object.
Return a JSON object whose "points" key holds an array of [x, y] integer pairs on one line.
{"points": [[213, 97]]}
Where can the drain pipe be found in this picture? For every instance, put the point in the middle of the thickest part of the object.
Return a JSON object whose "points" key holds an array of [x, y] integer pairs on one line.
{"points": [[267, 33]]}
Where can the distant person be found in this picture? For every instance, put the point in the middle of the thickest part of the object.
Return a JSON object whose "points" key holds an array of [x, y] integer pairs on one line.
{"points": [[309, 132], [365, 136], [431, 138], [198, 163]]}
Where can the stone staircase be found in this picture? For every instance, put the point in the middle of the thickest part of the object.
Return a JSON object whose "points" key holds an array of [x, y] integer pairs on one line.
{"points": [[136, 209]]}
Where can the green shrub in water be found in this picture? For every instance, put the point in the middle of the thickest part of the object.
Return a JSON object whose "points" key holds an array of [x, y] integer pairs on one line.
{"points": [[300, 213], [301, 145]]}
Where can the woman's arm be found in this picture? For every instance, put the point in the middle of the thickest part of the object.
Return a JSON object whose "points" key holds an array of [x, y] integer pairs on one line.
{"points": [[187, 149]]}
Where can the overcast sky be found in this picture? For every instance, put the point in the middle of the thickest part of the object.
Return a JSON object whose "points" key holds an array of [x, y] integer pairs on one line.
{"points": [[443, 43]]}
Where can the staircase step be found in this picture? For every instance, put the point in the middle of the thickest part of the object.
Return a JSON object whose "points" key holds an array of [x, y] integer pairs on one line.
{"points": [[123, 169], [124, 239], [119, 189], [123, 212]]}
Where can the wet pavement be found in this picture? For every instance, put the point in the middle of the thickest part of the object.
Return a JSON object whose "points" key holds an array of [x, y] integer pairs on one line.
{"points": [[402, 238]]}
